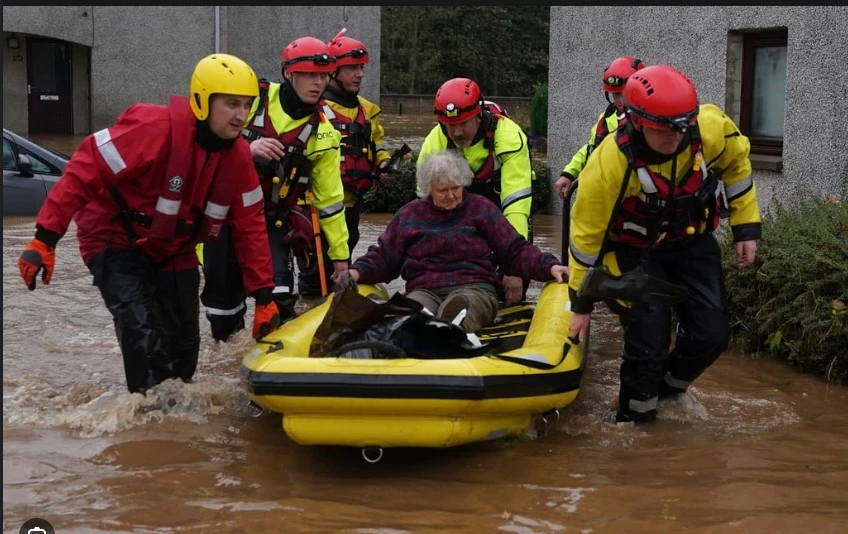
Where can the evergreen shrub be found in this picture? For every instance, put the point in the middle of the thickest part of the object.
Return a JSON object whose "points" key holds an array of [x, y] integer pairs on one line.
{"points": [[792, 302], [539, 111], [388, 198]]}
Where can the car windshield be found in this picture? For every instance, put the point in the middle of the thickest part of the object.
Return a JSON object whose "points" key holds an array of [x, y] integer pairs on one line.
{"points": [[24, 140], [55, 152]]}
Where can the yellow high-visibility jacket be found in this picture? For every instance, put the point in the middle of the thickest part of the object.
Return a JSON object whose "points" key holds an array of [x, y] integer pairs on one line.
{"points": [[578, 161], [512, 155], [322, 150], [725, 152], [379, 154]]}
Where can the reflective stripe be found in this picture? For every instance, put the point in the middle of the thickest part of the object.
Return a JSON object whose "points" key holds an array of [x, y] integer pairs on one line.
{"points": [[216, 211], [304, 134], [515, 197], [739, 188], [281, 289], [642, 406], [645, 179], [633, 227], [582, 258], [259, 119], [220, 311], [328, 112], [674, 382], [304, 179], [329, 211], [644, 198], [168, 207], [103, 140], [252, 197], [497, 163]]}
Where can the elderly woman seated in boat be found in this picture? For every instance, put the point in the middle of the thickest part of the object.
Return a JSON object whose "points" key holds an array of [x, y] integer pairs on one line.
{"points": [[448, 245]]}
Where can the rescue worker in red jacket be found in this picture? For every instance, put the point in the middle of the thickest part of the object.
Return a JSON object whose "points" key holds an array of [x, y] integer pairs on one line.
{"points": [[296, 153], [497, 150], [143, 192], [647, 206], [615, 75], [362, 155]]}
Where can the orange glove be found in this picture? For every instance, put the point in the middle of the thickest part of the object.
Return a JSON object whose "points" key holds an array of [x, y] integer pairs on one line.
{"points": [[266, 319], [37, 256]]}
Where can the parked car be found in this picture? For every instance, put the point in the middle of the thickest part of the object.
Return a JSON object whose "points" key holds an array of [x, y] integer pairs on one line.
{"points": [[30, 170]]}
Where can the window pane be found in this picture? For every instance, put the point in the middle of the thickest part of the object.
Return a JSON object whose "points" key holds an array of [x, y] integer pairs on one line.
{"points": [[769, 91], [38, 164], [9, 162]]}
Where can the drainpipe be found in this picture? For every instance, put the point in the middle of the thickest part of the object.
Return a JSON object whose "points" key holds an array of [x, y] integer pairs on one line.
{"points": [[217, 29]]}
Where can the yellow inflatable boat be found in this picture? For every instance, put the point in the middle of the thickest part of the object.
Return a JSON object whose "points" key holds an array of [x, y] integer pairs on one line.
{"points": [[527, 368]]}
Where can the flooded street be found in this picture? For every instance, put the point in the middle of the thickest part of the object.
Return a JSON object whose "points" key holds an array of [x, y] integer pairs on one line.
{"points": [[755, 447]]}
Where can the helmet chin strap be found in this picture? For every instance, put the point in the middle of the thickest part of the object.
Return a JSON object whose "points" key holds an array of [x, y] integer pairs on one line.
{"points": [[337, 86]]}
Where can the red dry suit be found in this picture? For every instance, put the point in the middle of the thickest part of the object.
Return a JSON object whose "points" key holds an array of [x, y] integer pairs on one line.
{"points": [[176, 194]]}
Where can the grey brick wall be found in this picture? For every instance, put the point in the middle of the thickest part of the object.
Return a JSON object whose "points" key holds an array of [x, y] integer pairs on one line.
{"points": [[695, 39], [145, 54]]}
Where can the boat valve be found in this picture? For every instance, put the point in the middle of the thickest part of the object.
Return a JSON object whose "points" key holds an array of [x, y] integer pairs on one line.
{"points": [[551, 416], [372, 455], [253, 409]]}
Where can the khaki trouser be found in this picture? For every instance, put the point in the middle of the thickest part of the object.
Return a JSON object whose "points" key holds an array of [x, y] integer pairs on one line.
{"points": [[481, 303]]}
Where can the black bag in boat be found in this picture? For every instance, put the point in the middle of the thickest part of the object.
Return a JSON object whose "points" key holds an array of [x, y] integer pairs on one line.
{"points": [[357, 326]]}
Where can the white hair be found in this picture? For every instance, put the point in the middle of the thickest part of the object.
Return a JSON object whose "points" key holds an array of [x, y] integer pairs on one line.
{"points": [[445, 166]]}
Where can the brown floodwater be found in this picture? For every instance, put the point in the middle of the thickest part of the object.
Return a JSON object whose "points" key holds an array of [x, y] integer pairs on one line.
{"points": [[755, 447]]}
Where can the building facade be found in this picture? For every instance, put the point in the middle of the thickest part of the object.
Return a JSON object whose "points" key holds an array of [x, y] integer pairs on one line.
{"points": [[74, 69], [777, 71]]}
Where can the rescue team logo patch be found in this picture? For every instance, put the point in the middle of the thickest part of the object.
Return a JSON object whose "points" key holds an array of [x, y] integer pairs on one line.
{"points": [[175, 184]]}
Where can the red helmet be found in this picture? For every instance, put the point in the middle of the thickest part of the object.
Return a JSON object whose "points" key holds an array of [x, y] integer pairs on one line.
{"points": [[618, 71], [348, 51], [661, 97], [307, 54], [457, 100]]}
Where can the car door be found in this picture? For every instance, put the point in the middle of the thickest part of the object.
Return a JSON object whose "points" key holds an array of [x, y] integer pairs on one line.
{"points": [[24, 195]]}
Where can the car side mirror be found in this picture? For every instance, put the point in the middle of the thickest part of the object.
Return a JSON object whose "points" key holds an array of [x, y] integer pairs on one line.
{"points": [[25, 166]]}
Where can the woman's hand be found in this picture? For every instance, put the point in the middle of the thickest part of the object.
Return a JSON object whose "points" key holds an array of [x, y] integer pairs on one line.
{"points": [[560, 273]]}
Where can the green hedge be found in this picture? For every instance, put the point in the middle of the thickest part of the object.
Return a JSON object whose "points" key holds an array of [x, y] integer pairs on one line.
{"points": [[792, 302], [389, 198], [539, 111]]}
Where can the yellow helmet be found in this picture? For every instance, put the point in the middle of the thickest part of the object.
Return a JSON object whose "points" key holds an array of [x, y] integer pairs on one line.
{"points": [[220, 73]]}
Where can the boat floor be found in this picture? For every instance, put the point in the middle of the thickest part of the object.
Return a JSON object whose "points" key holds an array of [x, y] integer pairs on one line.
{"points": [[508, 330]]}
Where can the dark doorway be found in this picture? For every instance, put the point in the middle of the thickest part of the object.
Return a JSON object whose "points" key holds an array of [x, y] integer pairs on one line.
{"points": [[49, 86]]}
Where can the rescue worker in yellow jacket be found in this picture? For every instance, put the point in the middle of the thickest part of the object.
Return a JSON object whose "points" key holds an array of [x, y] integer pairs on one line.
{"points": [[647, 207], [296, 153], [615, 75], [362, 155], [497, 151]]}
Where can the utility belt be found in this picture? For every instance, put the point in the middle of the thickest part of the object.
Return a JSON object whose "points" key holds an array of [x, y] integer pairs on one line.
{"points": [[296, 222], [355, 150], [145, 221], [286, 208]]}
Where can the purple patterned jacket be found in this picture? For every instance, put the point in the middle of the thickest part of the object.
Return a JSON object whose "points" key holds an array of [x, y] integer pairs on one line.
{"points": [[430, 247]]}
